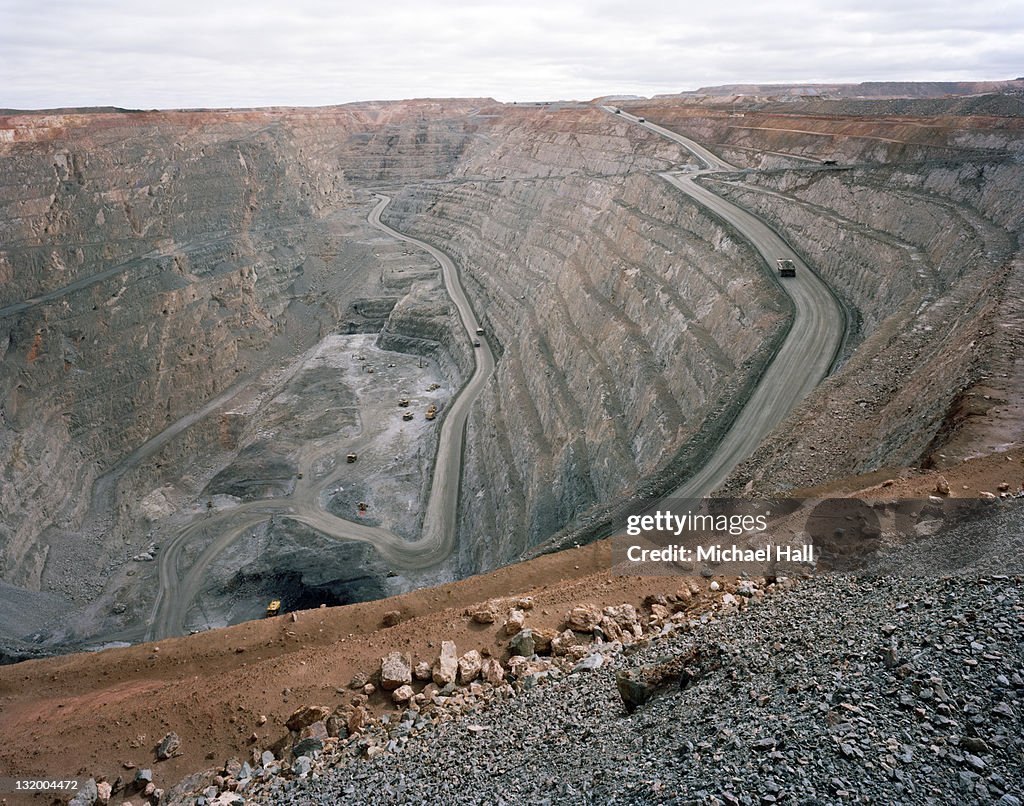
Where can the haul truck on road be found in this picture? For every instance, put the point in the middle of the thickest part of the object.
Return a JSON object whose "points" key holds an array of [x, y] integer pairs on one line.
{"points": [[787, 268]]}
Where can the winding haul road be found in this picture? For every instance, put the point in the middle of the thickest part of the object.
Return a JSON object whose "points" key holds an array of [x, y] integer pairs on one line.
{"points": [[437, 541], [800, 364], [806, 354]]}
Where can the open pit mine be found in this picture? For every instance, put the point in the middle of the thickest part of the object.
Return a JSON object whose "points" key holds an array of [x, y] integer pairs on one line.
{"points": [[324, 356]]}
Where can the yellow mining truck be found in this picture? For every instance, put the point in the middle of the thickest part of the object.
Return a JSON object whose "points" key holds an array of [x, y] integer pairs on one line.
{"points": [[431, 412], [351, 458], [274, 608]]}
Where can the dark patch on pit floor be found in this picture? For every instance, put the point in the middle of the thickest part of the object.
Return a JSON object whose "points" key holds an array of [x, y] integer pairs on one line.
{"points": [[345, 504], [325, 404], [304, 569], [258, 472]]}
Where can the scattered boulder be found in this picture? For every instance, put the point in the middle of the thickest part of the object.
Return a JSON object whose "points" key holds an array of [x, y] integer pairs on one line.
{"points": [[942, 486], [318, 730], [610, 628], [103, 792], [395, 671], [336, 728], [584, 618], [523, 644], [302, 766], [307, 715], [542, 640], [469, 667], [447, 666], [525, 603], [168, 746], [520, 667], [515, 622], [486, 613], [637, 686], [492, 671], [561, 643], [308, 747], [391, 618], [358, 681], [591, 663], [87, 795], [421, 671], [624, 615], [402, 694], [357, 719]]}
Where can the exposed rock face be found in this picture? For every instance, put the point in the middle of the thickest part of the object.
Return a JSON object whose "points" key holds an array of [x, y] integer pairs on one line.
{"points": [[928, 263], [917, 231], [184, 252], [578, 414], [191, 254]]}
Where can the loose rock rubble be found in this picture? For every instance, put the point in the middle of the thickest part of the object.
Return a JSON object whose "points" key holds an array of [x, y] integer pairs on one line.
{"points": [[824, 695], [860, 689]]}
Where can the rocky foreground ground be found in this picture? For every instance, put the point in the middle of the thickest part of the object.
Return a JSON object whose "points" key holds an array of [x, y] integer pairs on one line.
{"points": [[863, 689]]}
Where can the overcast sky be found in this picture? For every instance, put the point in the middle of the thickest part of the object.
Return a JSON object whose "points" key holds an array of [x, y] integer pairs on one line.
{"points": [[202, 53]]}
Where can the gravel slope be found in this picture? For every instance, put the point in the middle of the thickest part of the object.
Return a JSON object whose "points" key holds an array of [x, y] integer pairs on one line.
{"points": [[864, 690]]}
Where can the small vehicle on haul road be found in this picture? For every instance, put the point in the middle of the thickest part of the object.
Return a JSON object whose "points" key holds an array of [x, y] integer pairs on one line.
{"points": [[787, 268], [274, 608]]}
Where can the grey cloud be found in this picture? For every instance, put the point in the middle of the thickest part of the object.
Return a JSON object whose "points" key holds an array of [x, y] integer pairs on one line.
{"points": [[202, 53]]}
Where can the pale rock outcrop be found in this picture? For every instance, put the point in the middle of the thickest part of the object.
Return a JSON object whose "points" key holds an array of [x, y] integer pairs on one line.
{"points": [[583, 618], [469, 667], [395, 670], [515, 622], [447, 666]]}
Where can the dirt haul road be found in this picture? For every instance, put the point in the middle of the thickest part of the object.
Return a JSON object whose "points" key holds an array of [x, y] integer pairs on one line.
{"points": [[809, 349], [176, 592], [800, 364]]}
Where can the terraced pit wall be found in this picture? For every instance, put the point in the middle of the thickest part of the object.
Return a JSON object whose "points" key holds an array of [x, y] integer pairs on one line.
{"points": [[918, 229], [623, 316], [210, 246]]}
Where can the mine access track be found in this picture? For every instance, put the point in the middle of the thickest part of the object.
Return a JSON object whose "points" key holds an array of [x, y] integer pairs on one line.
{"points": [[806, 354], [177, 591]]}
